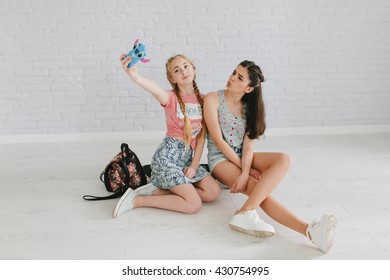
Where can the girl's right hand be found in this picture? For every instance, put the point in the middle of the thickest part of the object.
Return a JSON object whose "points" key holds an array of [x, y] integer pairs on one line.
{"points": [[239, 184], [125, 60]]}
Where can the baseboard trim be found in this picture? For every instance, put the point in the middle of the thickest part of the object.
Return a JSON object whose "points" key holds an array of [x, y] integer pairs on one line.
{"points": [[328, 130], [153, 135], [82, 137]]}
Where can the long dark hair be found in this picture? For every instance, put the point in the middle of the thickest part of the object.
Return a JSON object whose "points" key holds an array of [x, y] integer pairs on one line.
{"points": [[255, 109]]}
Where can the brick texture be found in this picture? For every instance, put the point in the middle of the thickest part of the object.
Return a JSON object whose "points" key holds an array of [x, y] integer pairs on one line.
{"points": [[327, 63]]}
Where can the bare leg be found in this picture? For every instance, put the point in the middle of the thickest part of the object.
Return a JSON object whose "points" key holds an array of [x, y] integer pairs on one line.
{"points": [[283, 216], [161, 192], [274, 167], [208, 189], [227, 172], [183, 198]]}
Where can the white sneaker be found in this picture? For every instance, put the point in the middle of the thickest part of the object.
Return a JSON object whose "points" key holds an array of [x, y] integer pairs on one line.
{"points": [[250, 223], [322, 232], [145, 189], [125, 203]]}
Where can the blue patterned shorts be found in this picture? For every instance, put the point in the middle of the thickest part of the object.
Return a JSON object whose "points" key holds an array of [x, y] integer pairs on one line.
{"points": [[169, 162]]}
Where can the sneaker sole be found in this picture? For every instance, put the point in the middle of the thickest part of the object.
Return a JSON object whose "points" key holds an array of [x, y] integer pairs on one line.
{"points": [[331, 223], [119, 204], [261, 234]]}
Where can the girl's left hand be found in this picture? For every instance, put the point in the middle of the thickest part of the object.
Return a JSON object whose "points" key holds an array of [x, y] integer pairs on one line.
{"points": [[255, 174], [190, 172]]}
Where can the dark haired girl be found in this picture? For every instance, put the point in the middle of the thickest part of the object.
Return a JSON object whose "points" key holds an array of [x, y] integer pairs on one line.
{"points": [[235, 117]]}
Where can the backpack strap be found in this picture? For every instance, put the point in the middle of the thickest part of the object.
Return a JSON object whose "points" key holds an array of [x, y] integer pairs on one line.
{"points": [[102, 176], [131, 156], [125, 149], [92, 197]]}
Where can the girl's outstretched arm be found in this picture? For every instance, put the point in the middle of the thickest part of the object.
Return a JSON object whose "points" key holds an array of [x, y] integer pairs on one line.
{"points": [[161, 95]]}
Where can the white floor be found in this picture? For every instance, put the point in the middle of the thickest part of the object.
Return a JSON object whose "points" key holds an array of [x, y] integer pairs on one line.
{"points": [[43, 215]]}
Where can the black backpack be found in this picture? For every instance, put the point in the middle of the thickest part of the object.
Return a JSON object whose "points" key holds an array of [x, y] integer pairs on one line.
{"points": [[122, 172]]}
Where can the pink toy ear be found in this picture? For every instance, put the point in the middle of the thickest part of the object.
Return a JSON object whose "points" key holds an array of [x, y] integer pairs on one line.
{"points": [[136, 42], [145, 60]]}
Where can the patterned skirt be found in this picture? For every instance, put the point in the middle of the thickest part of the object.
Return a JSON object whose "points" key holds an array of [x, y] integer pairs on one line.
{"points": [[169, 162]]}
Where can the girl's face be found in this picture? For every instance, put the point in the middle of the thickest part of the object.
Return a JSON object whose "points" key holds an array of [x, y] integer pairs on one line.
{"points": [[182, 72], [239, 81]]}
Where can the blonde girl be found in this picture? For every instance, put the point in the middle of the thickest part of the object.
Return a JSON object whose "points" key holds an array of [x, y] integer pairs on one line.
{"points": [[178, 182]]}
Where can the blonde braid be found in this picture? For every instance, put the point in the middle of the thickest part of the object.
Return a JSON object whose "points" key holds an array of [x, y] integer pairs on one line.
{"points": [[201, 102], [187, 122], [197, 93]]}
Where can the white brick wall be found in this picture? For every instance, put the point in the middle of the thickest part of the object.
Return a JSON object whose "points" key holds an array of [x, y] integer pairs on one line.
{"points": [[327, 63]]}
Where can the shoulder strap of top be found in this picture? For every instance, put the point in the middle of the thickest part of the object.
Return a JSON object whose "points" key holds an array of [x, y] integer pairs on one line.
{"points": [[221, 98]]}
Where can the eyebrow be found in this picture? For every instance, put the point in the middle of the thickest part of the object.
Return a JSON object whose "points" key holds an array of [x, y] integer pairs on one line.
{"points": [[182, 64], [239, 75]]}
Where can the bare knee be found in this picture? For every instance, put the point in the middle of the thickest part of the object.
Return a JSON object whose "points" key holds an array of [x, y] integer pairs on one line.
{"points": [[211, 192], [285, 161], [209, 189], [193, 206]]}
